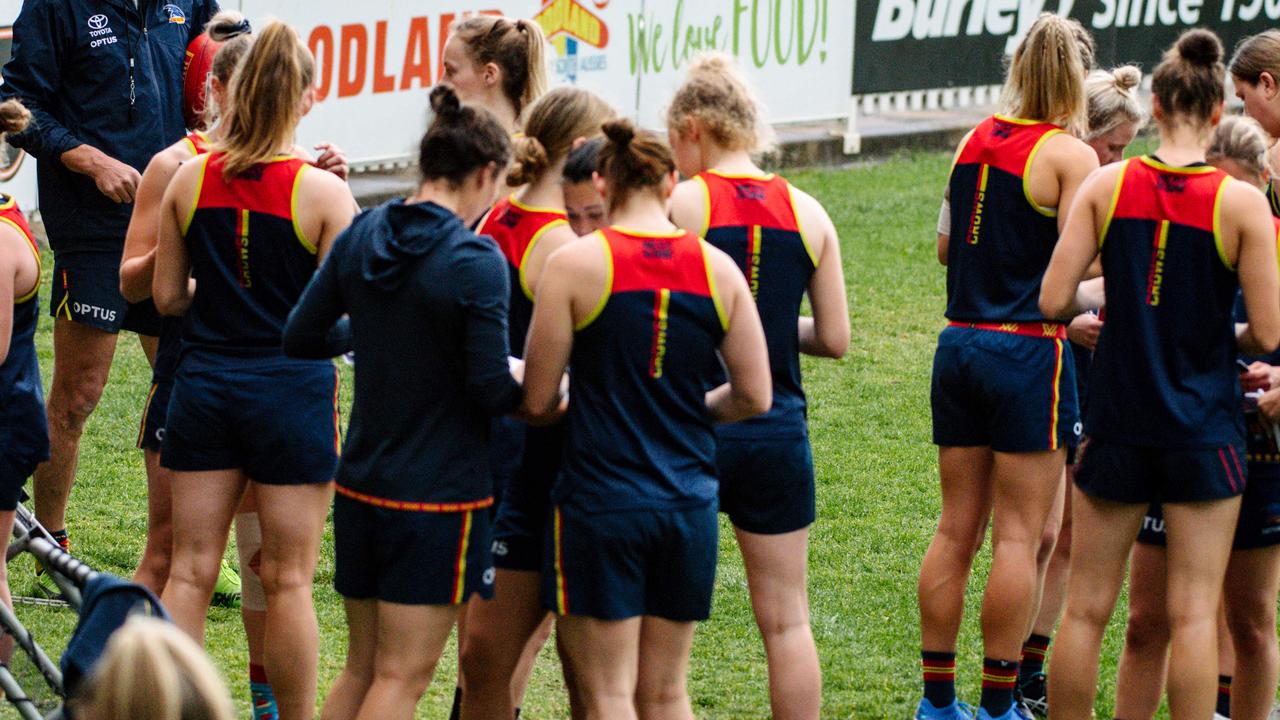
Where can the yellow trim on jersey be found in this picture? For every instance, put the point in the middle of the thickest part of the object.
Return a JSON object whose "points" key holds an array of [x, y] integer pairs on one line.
{"points": [[711, 285], [648, 234], [1018, 121], [608, 286], [706, 204], [1115, 200], [9, 203], [1197, 170], [293, 210], [191, 146], [203, 160], [741, 176], [1026, 174], [146, 412], [804, 237], [1217, 223], [524, 281], [34, 251], [529, 208]]}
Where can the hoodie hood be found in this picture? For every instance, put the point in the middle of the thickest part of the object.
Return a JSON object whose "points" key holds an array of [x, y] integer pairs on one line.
{"points": [[401, 233]]}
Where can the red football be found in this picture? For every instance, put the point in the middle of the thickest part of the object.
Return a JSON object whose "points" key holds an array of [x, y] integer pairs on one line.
{"points": [[195, 83]]}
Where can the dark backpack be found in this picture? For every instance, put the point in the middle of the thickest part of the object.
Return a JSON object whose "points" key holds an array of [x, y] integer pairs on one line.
{"points": [[107, 603]]}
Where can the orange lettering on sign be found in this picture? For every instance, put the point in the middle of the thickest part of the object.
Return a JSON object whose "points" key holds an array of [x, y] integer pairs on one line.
{"points": [[355, 60], [382, 81], [417, 56]]}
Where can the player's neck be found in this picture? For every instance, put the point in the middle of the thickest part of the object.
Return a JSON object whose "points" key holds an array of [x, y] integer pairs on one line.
{"points": [[546, 191], [731, 162], [1182, 144], [642, 211]]}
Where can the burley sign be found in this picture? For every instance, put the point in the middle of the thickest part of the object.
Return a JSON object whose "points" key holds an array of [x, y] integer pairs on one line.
{"points": [[924, 44]]}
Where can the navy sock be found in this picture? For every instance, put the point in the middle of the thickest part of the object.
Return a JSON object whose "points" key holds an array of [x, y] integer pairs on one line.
{"points": [[1224, 695], [939, 677], [1033, 655], [998, 680]]}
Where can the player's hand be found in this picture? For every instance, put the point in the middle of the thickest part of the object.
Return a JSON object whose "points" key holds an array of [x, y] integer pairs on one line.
{"points": [[1084, 330], [1269, 405], [332, 159], [1257, 377], [117, 181]]}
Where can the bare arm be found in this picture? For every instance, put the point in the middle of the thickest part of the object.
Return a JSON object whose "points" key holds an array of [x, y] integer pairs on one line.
{"points": [[333, 208], [550, 340], [749, 391], [1256, 268], [171, 284], [826, 334], [138, 262], [1076, 249], [1078, 163], [689, 207]]}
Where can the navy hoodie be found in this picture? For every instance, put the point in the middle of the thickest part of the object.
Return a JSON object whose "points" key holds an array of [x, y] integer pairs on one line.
{"points": [[427, 300], [71, 68]]}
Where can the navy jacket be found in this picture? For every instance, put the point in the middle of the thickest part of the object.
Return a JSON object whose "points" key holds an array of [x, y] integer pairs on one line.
{"points": [[71, 67], [428, 305]]}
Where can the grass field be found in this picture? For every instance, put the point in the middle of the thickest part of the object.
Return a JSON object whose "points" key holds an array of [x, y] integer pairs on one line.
{"points": [[878, 496]]}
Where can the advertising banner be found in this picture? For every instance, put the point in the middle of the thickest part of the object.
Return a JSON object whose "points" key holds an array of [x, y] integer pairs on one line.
{"points": [[926, 44], [377, 58]]}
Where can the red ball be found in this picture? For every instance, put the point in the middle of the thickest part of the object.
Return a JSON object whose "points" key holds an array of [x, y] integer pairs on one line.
{"points": [[196, 70]]}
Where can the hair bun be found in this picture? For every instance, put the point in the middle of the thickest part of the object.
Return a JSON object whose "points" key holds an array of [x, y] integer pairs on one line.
{"points": [[529, 162], [1200, 47], [445, 102], [1127, 77], [14, 116], [620, 132]]}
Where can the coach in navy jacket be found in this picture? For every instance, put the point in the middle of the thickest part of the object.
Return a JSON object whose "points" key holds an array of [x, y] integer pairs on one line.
{"points": [[103, 79], [98, 78]]}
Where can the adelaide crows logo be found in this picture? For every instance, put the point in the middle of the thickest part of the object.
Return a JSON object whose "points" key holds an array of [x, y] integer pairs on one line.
{"points": [[1172, 183], [176, 16]]}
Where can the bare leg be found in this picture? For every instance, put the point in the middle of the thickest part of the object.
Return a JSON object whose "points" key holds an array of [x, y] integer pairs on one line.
{"points": [[81, 363], [1253, 579], [524, 669], [662, 686], [1145, 660], [292, 519], [1200, 536], [605, 656], [6, 531], [410, 640], [966, 507], [498, 632], [1054, 594], [153, 569], [777, 576], [150, 346], [203, 503], [1026, 485], [1102, 535], [353, 683]]}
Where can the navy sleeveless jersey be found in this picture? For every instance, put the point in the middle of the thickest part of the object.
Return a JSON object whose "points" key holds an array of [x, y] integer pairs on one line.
{"points": [[1001, 240], [754, 221], [1164, 373], [516, 227], [249, 257], [23, 427], [639, 434]]}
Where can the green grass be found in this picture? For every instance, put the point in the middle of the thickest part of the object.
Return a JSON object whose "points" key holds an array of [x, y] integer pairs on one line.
{"points": [[878, 497]]}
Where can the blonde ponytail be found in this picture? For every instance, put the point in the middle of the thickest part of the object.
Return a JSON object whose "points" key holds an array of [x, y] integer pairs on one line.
{"points": [[1046, 77], [265, 99]]}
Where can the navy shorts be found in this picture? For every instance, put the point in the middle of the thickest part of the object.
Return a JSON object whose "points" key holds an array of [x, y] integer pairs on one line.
{"points": [[1009, 392], [1134, 474], [1259, 523], [86, 289], [631, 563], [766, 486], [24, 429], [277, 420], [410, 557], [151, 429], [521, 525]]}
